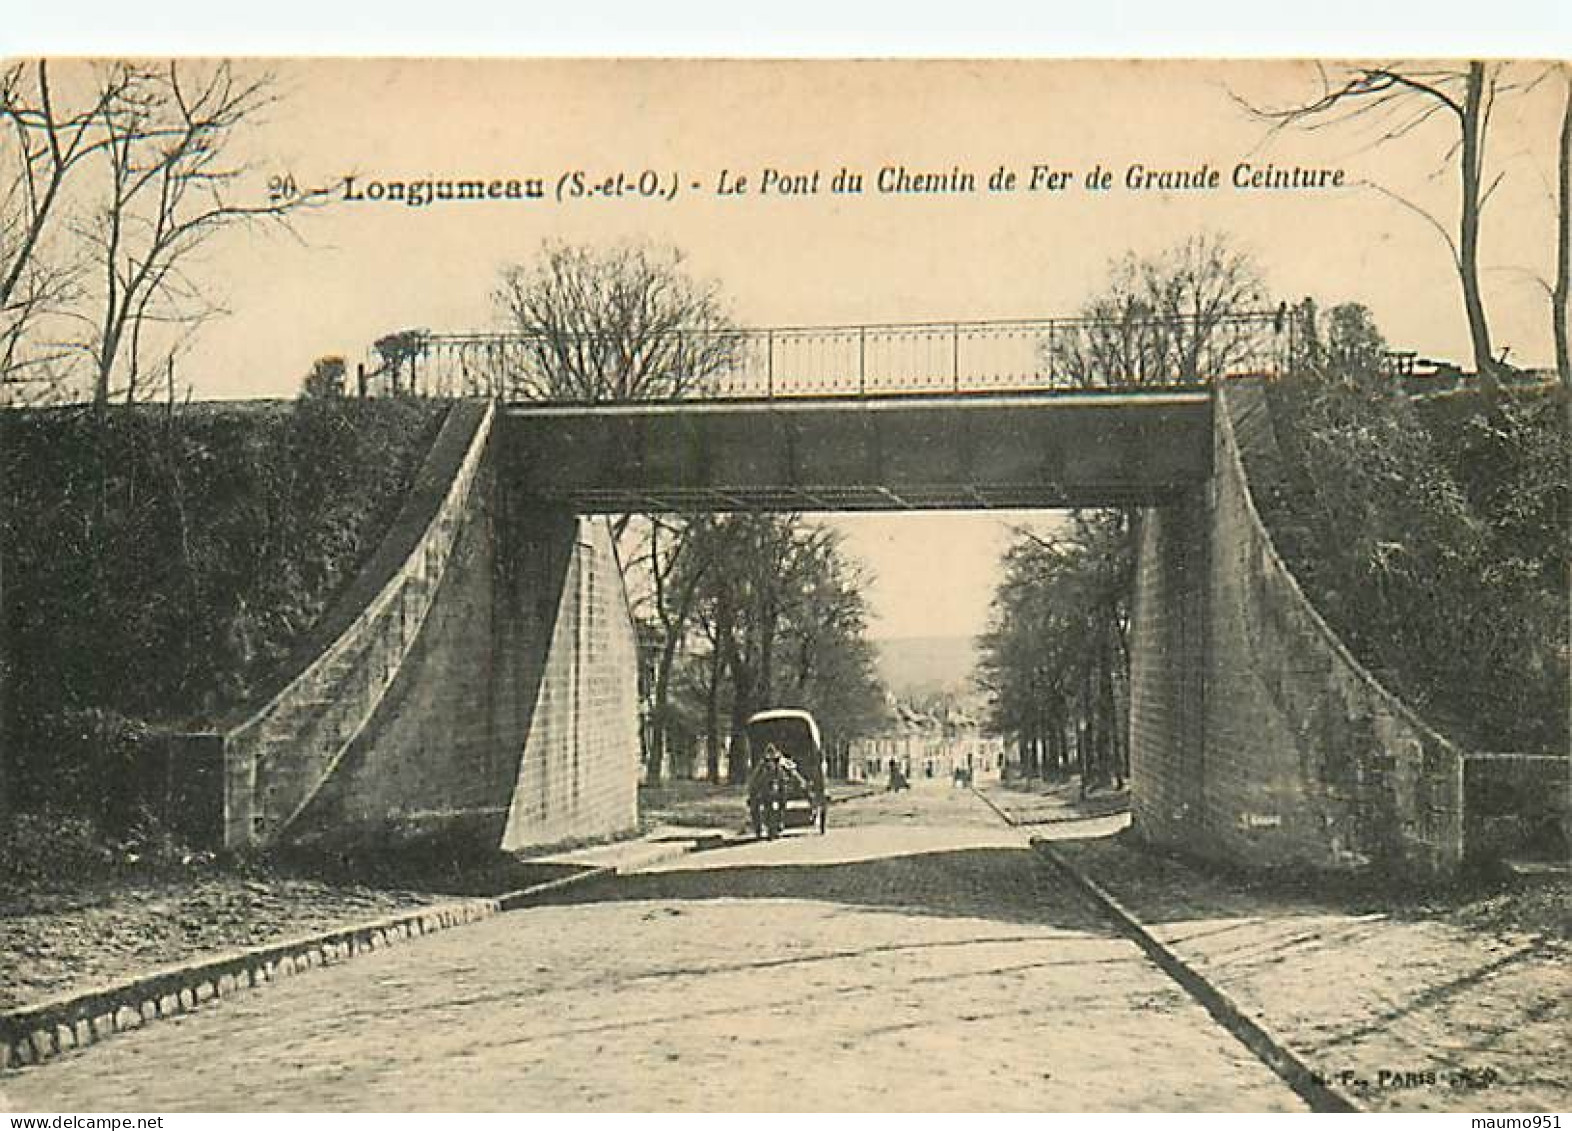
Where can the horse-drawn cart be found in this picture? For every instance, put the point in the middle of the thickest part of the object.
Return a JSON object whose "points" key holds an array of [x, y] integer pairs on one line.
{"points": [[787, 785]]}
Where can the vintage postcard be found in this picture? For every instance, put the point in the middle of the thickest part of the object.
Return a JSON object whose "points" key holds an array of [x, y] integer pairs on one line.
{"points": [[644, 585]]}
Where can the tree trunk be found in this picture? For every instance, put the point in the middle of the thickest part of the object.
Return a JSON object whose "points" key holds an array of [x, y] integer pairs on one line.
{"points": [[1108, 704], [673, 624], [739, 758], [1074, 749], [764, 682], [655, 756], [1084, 737], [1107, 726], [1561, 297], [660, 712], [1472, 167], [5, 701], [1091, 765], [738, 761], [712, 721]]}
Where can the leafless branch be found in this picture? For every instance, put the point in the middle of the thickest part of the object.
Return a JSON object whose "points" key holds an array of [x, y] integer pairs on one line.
{"points": [[1440, 229]]}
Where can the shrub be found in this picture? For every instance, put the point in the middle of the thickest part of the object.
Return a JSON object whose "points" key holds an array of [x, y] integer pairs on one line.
{"points": [[161, 565], [1433, 536], [37, 848]]}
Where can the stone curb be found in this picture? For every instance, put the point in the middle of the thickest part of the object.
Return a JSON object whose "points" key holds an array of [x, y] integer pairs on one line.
{"points": [[41, 1031], [35, 1033], [1000, 813], [1270, 1049]]}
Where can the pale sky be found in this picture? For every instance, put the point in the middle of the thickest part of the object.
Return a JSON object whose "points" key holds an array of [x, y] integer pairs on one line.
{"points": [[361, 269], [934, 572]]}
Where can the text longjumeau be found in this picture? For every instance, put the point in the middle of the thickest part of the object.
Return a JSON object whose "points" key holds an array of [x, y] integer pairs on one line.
{"points": [[1040, 178]]}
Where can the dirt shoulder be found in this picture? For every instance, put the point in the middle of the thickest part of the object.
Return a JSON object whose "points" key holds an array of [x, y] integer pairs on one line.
{"points": [[60, 941], [84, 927], [76, 931], [1447, 1001]]}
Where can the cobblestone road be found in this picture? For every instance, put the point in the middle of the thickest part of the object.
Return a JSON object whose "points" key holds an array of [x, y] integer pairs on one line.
{"points": [[918, 957]]}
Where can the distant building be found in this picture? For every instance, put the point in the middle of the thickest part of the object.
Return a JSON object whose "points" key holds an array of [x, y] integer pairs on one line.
{"points": [[928, 747]]}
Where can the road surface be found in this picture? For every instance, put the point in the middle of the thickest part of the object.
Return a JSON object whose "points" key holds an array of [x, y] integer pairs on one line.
{"points": [[917, 957]]}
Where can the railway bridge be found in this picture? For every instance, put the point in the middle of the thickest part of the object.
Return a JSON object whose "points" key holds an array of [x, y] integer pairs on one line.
{"points": [[485, 686]]}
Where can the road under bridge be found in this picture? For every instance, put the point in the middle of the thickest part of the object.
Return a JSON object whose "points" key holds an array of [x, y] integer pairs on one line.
{"points": [[490, 685]]}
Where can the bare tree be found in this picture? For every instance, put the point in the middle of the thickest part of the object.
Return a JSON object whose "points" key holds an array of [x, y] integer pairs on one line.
{"points": [[1055, 659], [1400, 98], [32, 367], [1171, 318], [47, 144], [674, 555], [785, 614], [621, 323], [48, 141], [106, 200], [171, 188], [1561, 294]]}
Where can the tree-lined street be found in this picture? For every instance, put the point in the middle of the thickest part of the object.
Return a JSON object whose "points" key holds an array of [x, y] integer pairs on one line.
{"points": [[917, 957], [269, 668]]}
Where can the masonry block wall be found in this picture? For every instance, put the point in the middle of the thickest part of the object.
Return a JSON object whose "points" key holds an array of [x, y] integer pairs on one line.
{"points": [[1300, 758], [513, 720], [1167, 669], [430, 762], [357, 660], [579, 772]]}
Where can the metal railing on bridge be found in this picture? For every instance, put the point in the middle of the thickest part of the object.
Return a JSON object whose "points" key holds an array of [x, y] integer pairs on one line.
{"points": [[1049, 354]]}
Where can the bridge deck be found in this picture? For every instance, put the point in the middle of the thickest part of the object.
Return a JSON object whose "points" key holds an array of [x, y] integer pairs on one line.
{"points": [[861, 453]]}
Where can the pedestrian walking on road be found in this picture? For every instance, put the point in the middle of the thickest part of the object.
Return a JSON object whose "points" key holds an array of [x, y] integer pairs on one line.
{"points": [[898, 780]]}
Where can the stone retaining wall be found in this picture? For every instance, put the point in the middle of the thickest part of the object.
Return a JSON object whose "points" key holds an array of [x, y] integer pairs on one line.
{"points": [[1255, 736], [276, 760]]}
